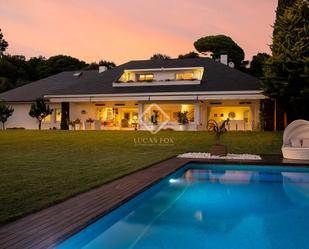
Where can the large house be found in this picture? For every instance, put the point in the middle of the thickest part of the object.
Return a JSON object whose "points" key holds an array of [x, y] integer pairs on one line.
{"points": [[127, 96]]}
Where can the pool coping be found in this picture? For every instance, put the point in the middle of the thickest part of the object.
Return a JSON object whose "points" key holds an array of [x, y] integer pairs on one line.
{"points": [[51, 226]]}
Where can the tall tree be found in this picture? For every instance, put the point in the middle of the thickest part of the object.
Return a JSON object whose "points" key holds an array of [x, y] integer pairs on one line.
{"points": [[282, 5], [220, 44], [257, 64], [3, 44], [159, 56], [5, 113], [188, 55], [40, 110], [286, 76]]}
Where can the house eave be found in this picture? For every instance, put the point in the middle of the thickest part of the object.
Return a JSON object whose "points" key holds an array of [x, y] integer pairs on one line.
{"points": [[157, 96]]}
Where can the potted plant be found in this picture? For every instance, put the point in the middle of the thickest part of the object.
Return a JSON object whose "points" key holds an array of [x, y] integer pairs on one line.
{"points": [[76, 124], [71, 125], [218, 130], [90, 121], [182, 118]]}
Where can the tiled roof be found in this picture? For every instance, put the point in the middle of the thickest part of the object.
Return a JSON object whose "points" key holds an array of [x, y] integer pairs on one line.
{"points": [[217, 77]]}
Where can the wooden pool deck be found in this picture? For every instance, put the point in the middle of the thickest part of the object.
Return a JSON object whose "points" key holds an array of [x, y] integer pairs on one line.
{"points": [[50, 226]]}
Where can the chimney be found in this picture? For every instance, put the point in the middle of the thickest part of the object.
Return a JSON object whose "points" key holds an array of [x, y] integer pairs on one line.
{"points": [[223, 59], [102, 69]]}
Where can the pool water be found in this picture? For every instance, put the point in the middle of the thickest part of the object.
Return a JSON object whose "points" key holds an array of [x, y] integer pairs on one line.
{"points": [[209, 206]]}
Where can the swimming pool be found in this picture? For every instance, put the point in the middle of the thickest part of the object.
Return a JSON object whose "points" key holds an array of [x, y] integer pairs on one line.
{"points": [[209, 206]]}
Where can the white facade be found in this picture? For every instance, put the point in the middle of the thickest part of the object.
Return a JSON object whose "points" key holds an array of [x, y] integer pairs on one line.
{"points": [[125, 112], [22, 119]]}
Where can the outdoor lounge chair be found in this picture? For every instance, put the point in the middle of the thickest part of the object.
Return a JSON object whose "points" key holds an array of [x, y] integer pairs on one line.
{"points": [[296, 140]]}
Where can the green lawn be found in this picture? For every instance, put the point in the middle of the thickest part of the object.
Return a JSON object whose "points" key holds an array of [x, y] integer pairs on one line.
{"points": [[39, 168]]}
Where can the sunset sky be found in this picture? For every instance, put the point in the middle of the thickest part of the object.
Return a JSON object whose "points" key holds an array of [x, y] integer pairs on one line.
{"points": [[122, 30]]}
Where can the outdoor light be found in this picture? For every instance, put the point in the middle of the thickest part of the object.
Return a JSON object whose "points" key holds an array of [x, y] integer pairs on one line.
{"points": [[172, 180]]}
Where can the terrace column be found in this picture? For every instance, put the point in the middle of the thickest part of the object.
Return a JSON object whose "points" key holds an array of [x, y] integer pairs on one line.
{"points": [[140, 113], [197, 111], [65, 115]]}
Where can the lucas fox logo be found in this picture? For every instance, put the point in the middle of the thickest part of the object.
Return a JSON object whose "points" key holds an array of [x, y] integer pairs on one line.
{"points": [[153, 141], [153, 125]]}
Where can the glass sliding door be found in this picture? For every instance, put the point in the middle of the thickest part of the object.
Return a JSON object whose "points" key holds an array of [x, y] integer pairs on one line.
{"points": [[118, 117]]}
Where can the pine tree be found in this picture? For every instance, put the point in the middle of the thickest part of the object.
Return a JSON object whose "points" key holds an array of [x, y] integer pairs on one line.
{"points": [[286, 72], [282, 5]]}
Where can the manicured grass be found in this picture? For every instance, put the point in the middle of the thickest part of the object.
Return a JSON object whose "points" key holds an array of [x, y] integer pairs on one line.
{"points": [[39, 168]]}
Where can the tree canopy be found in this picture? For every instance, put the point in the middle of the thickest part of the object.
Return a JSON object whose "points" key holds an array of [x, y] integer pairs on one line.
{"points": [[15, 70], [220, 44], [188, 55], [286, 76], [159, 56], [60, 63]]}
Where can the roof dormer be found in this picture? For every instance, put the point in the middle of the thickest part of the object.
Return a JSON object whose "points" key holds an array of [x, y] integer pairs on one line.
{"points": [[160, 77]]}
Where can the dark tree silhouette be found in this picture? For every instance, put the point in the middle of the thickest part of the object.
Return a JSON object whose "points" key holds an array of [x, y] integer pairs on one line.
{"points": [[220, 44], [188, 55], [159, 56], [257, 64]]}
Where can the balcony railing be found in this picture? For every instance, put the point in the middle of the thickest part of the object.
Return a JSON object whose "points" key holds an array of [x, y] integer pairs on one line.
{"points": [[167, 82]]}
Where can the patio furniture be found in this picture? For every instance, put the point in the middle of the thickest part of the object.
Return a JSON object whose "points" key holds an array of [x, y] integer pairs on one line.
{"points": [[296, 140]]}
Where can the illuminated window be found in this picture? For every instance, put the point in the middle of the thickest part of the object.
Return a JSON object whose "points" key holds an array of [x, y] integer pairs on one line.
{"points": [[58, 114], [125, 77], [145, 77], [106, 114], [184, 76], [47, 119]]}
